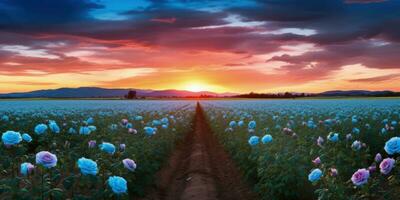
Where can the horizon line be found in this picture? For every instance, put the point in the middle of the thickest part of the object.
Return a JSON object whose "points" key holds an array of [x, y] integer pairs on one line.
{"points": [[210, 91]]}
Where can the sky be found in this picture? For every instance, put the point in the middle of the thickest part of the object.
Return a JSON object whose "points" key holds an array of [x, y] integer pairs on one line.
{"points": [[215, 45]]}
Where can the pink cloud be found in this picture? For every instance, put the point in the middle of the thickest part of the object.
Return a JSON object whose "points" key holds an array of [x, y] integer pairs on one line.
{"points": [[164, 20]]}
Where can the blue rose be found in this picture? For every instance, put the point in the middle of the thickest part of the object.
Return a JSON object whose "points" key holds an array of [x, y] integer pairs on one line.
{"points": [[107, 147], [232, 124], [26, 137], [311, 124], [383, 131], [113, 127], [87, 166], [71, 131], [356, 145], [10, 138], [315, 175], [240, 123], [354, 120], [90, 120], [392, 146], [328, 122], [333, 137], [254, 140], [118, 184], [164, 120], [266, 139], [149, 131], [138, 118], [54, 127], [92, 128], [84, 130], [356, 130], [129, 125], [5, 118], [252, 125], [156, 123], [40, 129], [26, 168]]}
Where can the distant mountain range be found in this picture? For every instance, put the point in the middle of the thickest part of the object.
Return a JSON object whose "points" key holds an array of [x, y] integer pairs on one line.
{"points": [[96, 92]]}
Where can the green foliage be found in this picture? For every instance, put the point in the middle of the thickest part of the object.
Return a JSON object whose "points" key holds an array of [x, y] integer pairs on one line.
{"points": [[65, 180], [279, 170]]}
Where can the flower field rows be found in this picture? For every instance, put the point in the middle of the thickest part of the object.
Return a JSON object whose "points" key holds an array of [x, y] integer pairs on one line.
{"points": [[313, 149], [287, 149], [86, 149]]}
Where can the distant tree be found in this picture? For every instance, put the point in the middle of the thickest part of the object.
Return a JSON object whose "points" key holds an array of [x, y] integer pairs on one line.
{"points": [[287, 95], [131, 95], [278, 95]]}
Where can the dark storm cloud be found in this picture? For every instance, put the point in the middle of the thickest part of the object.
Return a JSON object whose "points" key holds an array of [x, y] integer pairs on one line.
{"points": [[289, 10], [20, 14], [364, 1], [333, 20], [344, 30], [333, 57]]}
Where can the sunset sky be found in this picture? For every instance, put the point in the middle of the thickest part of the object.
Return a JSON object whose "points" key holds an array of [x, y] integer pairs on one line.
{"points": [[215, 45]]}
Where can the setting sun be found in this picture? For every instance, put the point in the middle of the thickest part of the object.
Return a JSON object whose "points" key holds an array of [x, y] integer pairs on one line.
{"points": [[197, 87]]}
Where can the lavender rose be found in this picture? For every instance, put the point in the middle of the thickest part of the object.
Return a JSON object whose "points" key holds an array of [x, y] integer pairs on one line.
{"points": [[333, 171], [387, 165], [46, 159], [378, 157], [360, 177], [92, 143], [129, 164], [372, 168], [317, 161], [320, 141], [122, 147]]}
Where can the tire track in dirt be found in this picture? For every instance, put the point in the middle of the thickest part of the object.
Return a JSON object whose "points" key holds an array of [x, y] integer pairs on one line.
{"points": [[199, 168]]}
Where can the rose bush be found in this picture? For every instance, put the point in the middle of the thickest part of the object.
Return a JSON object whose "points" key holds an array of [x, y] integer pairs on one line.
{"points": [[338, 137], [58, 156]]}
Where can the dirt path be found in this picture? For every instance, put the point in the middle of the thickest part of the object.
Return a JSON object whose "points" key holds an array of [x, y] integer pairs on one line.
{"points": [[199, 168]]}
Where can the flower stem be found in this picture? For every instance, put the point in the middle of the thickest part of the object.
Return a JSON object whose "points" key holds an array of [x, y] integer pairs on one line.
{"points": [[42, 186]]}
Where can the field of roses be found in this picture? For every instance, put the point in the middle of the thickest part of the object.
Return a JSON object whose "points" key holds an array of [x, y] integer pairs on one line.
{"points": [[313, 149], [86, 149]]}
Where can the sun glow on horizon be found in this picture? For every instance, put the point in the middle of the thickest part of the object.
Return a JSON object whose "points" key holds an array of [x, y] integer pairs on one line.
{"points": [[198, 86]]}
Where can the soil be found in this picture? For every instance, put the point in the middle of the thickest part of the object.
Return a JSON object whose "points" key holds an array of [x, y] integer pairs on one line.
{"points": [[199, 168]]}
